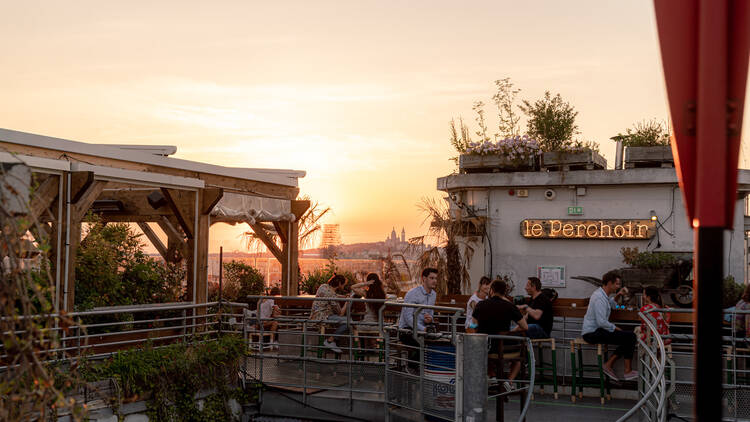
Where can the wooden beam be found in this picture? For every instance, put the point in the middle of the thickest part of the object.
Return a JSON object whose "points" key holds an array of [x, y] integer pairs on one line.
{"points": [[154, 239], [133, 202], [290, 268], [299, 207], [202, 261], [81, 181], [281, 230], [42, 198], [130, 218], [175, 237], [209, 198], [182, 207], [228, 183], [264, 236], [86, 198]]}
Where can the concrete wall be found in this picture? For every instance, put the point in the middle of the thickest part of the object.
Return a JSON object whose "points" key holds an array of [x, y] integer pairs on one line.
{"points": [[519, 257]]}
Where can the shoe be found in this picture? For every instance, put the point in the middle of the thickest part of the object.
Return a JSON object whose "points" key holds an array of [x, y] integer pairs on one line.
{"points": [[412, 371], [610, 373], [508, 386], [275, 345], [332, 345], [491, 381], [630, 376]]}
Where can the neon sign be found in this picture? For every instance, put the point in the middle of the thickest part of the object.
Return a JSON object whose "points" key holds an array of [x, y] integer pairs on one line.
{"points": [[588, 229]]}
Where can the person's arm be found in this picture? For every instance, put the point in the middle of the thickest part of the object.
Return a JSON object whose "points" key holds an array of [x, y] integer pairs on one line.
{"points": [[600, 314], [407, 312], [520, 320], [534, 313], [472, 328]]}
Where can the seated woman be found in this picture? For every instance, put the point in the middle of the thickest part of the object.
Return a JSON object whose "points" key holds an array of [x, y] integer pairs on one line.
{"points": [[330, 310], [373, 289], [652, 300]]}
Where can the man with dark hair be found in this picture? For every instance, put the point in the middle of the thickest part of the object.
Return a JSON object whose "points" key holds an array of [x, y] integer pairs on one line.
{"points": [[539, 312], [424, 294], [598, 330], [493, 316]]}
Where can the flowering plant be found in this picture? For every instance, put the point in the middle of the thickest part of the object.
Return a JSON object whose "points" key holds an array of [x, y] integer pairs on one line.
{"points": [[518, 149]]}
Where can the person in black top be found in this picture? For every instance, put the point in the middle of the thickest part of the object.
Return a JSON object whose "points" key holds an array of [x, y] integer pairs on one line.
{"points": [[538, 312], [493, 316]]}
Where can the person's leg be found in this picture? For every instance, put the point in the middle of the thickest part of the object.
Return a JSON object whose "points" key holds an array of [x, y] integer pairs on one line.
{"points": [[602, 336], [515, 368], [536, 331], [625, 342], [412, 349]]}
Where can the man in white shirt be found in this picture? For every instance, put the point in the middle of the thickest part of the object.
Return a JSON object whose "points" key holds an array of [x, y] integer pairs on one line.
{"points": [[424, 294], [598, 330]]}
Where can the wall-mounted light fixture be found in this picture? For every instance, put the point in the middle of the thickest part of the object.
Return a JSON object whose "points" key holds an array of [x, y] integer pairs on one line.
{"points": [[653, 215]]}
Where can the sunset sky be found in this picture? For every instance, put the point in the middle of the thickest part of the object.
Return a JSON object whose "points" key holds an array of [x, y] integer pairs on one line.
{"points": [[358, 94]]}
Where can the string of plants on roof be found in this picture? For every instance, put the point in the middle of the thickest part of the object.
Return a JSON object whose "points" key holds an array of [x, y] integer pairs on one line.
{"points": [[550, 127]]}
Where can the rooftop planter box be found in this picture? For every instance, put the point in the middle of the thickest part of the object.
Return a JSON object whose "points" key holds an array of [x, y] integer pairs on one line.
{"points": [[582, 160], [651, 156], [474, 163]]}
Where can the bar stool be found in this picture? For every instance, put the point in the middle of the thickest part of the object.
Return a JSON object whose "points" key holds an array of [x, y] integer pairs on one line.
{"points": [[540, 344], [579, 368]]}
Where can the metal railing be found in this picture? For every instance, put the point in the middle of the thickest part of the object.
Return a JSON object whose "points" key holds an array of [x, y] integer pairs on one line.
{"points": [[102, 332], [652, 385], [404, 371]]}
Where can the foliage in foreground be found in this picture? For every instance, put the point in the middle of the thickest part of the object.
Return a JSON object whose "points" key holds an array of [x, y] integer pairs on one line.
{"points": [[170, 377], [29, 387]]}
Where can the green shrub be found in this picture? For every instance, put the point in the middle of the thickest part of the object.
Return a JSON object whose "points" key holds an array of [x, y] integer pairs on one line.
{"points": [[240, 280], [647, 259], [644, 134], [173, 374], [112, 269]]}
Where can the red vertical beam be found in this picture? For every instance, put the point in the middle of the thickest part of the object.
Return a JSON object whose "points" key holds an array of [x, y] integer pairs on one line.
{"points": [[712, 145]]}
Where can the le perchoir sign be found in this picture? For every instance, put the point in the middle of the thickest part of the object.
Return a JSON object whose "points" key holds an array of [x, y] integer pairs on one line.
{"points": [[588, 229]]}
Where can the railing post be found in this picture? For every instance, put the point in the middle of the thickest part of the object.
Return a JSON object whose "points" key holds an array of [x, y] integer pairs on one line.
{"points": [[471, 378]]}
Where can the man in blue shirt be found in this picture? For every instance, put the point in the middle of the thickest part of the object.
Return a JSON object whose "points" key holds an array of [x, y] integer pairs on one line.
{"points": [[598, 330], [424, 294]]}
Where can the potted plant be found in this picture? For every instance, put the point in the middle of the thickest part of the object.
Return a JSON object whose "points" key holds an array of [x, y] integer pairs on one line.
{"points": [[504, 151], [646, 145], [518, 153], [552, 121]]}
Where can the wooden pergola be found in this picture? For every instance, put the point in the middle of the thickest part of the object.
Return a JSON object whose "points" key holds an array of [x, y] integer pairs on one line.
{"points": [[143, 185]]}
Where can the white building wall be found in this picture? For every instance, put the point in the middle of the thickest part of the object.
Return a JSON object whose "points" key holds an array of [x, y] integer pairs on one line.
{"points": [[519, 257]]}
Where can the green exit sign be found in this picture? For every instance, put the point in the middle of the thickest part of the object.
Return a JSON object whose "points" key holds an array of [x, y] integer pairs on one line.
{"points": [[575, 210]]}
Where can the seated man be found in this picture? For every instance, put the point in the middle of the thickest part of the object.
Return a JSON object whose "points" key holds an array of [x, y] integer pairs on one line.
{"points": [[493, 316], [424, 294], [598, 330], [330, 310], [539, 315], [269, 310]]}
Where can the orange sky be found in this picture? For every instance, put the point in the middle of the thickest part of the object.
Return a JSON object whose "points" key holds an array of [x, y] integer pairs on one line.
{"points": [[358, 94]]}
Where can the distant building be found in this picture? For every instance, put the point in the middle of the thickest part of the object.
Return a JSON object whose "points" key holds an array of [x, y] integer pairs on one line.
{"points": [[394, 242], [331, 235]]}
